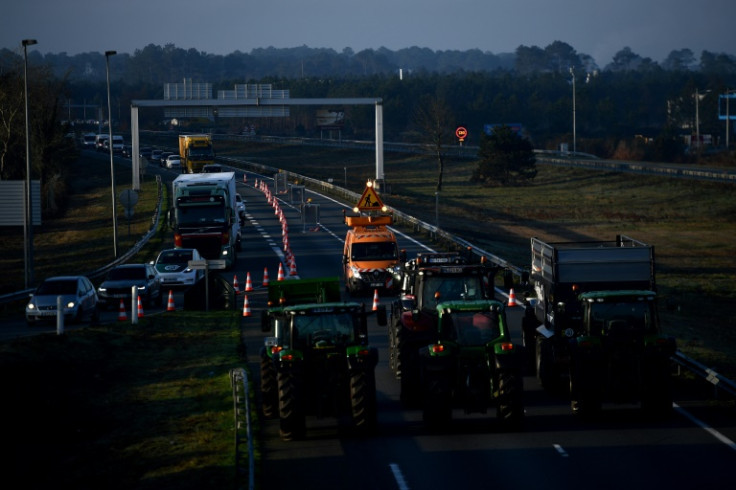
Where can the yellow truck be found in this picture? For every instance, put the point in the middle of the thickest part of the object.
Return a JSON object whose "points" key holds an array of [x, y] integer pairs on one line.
{"points": [[195, 151]]}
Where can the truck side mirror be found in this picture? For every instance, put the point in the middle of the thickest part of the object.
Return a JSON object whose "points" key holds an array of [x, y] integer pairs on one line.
{"points": [[345, 259], [170, 218]]}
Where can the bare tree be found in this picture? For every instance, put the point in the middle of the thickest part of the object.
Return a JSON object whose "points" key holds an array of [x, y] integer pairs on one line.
{"points": [[433, 119]]}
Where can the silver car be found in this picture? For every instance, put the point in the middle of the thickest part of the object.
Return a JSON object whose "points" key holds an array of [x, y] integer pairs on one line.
{"points": [[79, 300], [172, 266]]}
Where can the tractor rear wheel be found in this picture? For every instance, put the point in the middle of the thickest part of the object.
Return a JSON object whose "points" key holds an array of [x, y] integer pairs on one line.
{"points": [[363, 400], [291, 407]]}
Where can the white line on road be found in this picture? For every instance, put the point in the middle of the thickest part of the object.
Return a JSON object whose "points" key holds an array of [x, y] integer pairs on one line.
{"points": [[560, 450], [398, 476], [725, 440]]}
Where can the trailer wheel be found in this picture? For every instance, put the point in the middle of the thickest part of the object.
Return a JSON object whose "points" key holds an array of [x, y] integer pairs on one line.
{"points": [[269, 387], [657, 394], [291, 410], [363, 400]]}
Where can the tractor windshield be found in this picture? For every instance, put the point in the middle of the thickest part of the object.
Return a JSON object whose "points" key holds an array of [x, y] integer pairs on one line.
{"points": [[330, 329], [451, 288], [474, 328], [613, 318]]}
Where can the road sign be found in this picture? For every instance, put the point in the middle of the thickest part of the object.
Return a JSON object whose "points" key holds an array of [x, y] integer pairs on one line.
{"points": [[461, 133], [369, 201], [206, 264]]}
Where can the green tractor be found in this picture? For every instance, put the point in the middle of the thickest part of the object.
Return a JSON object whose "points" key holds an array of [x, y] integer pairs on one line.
{"points": [[472, 365], [318, 360]]}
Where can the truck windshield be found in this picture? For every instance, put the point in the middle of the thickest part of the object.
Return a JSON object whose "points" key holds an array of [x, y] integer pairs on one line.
{"points": [[609, 318], [200, 152], [451, 288], [201, 216], [374, 251], [474, 328]]}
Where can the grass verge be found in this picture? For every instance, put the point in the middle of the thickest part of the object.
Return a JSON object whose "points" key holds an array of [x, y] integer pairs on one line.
{"points": [[127, 406]]}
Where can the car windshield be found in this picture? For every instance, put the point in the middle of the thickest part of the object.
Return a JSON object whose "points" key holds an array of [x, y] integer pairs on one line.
{"points": [[451, 288], [66, 286], [123, 273], [175, 257], [374, 251], [474, 328]]}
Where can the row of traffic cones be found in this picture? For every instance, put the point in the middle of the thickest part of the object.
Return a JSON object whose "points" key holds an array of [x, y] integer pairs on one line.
{"points": [[122, 316]]}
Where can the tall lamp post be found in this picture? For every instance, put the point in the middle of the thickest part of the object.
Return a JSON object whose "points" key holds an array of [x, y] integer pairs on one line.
{"points": [[698, 96], [109, 145], [28, 222], [574, 129]]}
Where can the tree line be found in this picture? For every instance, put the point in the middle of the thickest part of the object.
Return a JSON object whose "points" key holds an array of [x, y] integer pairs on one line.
{"points": [[632, 108]]}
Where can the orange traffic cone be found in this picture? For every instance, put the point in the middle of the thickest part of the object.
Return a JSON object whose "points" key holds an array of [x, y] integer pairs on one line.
{"points": [[140, 308], [121, 313], [235, 284], [265, 276], [375, 299], [248, 283], [512, 298], [292, 266], [170, 306], [280, 277], [246, 306]]}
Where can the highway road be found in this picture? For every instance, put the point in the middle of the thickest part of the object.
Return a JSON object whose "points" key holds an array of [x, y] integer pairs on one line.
{"points": [[620, 449]]}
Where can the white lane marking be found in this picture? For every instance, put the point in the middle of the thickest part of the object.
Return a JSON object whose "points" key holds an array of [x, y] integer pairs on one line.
{"points": [[560, 450], [399, 477], [725, 440]]}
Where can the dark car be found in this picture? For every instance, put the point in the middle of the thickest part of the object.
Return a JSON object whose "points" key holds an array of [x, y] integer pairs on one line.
{"points": [[212, 168], [145, 152], [79, 300], [120, 281]]}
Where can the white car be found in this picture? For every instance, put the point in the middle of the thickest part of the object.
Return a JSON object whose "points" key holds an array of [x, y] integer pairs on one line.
{"points": [[173, 161], [172, 266], [240, 205], [79, 300]]}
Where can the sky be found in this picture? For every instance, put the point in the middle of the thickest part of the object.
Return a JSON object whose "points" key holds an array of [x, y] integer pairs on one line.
{"points": [[651, 28]]}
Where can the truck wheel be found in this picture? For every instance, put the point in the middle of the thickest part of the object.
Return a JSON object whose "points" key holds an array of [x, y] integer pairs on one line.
{"points": [[269, 387], [291, 410], [363, 400], [510, 411]]}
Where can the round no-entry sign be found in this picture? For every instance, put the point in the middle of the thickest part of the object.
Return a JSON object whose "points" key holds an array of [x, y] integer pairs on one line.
{"points": [[461, 133]]}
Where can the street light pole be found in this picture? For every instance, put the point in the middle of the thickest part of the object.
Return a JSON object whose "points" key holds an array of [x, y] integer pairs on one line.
{"points": [[109, 145], [28, 222], [574, 128]]}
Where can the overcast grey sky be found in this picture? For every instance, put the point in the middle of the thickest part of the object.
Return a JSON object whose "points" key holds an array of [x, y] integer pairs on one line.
{"points": [[651, 28]]}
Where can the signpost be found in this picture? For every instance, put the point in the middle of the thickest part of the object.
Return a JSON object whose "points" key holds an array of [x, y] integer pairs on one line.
{"points": [[461, 133], [206, 265]]}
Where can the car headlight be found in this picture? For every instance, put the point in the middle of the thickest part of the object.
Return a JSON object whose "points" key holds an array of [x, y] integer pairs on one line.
{"points": [[31, 306], [70, 304]]}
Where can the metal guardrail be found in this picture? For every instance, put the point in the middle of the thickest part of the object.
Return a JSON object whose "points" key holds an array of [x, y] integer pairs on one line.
{"points": [[719, 382], [243, 428]]}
